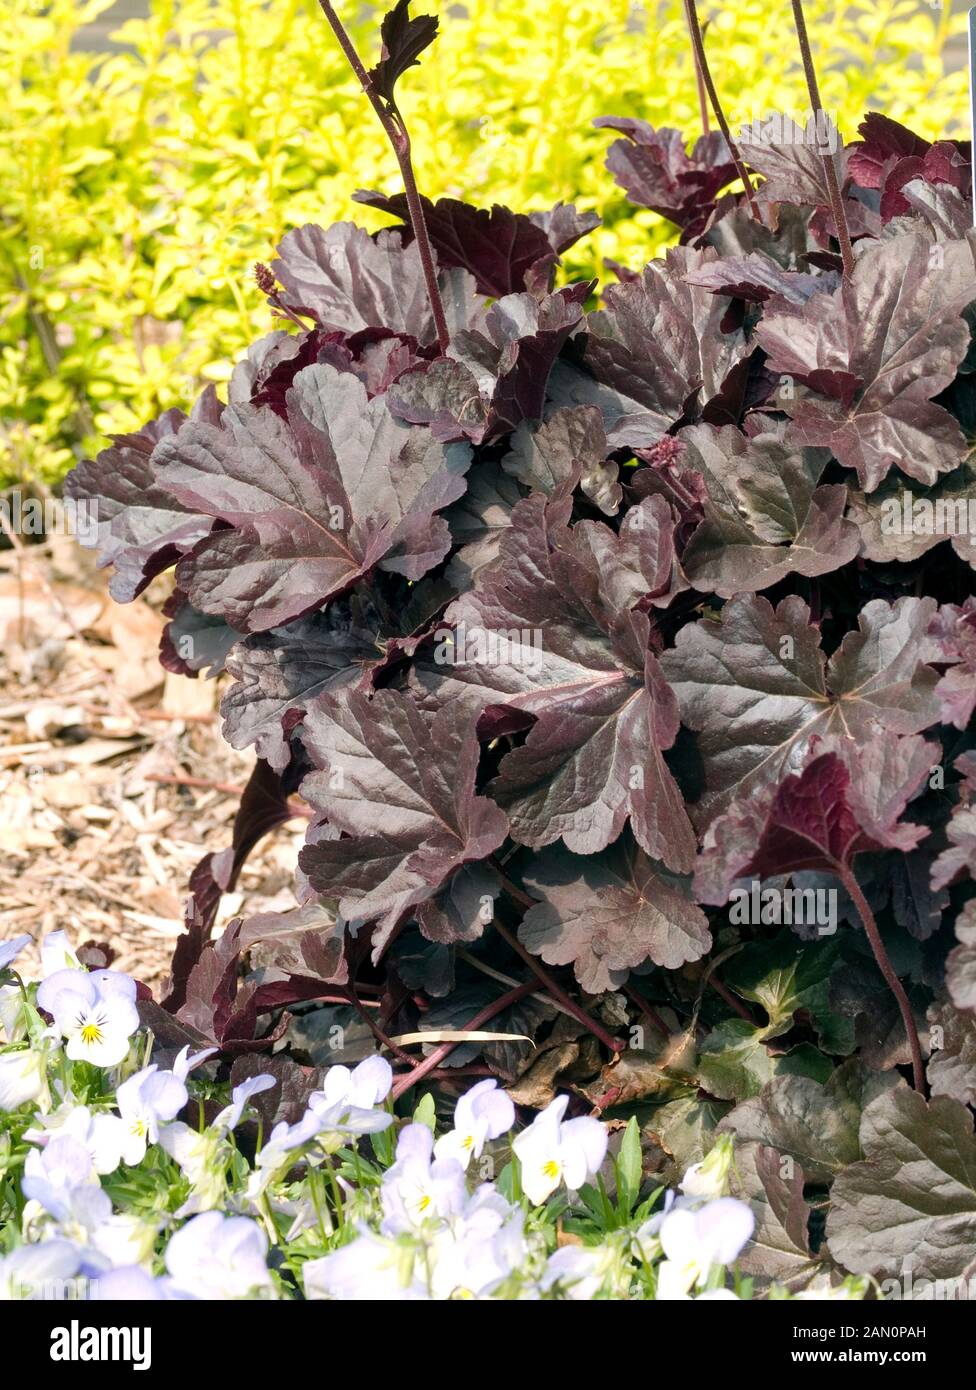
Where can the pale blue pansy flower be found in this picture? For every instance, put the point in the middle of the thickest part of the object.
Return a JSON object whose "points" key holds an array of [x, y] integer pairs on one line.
{"points": [[39, 1271], [219, 1257], [10, 950]]}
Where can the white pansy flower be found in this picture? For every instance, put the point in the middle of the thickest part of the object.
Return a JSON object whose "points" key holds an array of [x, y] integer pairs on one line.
{"points": [[230, 1117], [57, 954], [23, 1078], [483, 1113], [95, 1013], [710, 1178], [219, 1257], [370, 1268], [13, 1018], [553, 1150], [417, 1189], [695, 1242], [202, 1158], [149, 1098], [366, 1085]]}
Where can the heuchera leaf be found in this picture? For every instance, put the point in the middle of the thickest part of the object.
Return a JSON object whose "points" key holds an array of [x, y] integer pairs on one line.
{"points": [[278, 674], [816, 1124], [913, 1198], [404, 39], [348, 282], [409, 819], [959, 859], [954, 630], [569, 450], [654, 354], [656, 171], [607, 913], [819, 818], [550, 637], [780, 1244], [874, 353], [505, 252], [142, 528], [496, 371], [764, 515], [309, 504], [192, 642], [756, 687], [790, 161]]}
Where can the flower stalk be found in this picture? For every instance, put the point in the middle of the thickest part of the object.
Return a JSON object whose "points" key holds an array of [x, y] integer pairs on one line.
{"points": [[830, 170], [701, 62], [399, 137]]}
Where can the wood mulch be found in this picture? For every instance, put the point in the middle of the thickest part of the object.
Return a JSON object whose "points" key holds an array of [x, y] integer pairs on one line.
{"points": [[98, 834]]}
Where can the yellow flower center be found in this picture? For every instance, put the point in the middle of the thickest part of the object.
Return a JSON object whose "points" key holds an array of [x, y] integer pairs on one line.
{"points": [[551, 1169], [467, 1142], [90, 1034]]}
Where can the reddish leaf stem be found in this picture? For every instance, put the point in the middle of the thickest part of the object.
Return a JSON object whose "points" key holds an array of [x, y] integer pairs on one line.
{"points": [[697, 43], [399, 138], [651, 1014], [731, 1000], [846, 876], [377, 1031], [432, 1063], [599, 1032], [830, 171]]}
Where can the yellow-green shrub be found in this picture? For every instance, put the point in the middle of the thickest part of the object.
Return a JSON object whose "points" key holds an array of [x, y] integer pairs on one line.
{"points": [[138, 187]]}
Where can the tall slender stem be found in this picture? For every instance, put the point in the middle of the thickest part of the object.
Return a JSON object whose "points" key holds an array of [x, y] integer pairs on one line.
{"points": [[694, 25], [399, 138], [888, 971], [830, 169], [699, 80]]}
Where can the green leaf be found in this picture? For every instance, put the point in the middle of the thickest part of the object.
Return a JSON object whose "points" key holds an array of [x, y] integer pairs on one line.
{"points": [[426, 1112], [786, 975], [629, 1167], [735, 1062]]}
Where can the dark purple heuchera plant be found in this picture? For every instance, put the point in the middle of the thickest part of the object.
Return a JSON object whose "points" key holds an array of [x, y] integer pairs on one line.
{"points": [[598, 647]]}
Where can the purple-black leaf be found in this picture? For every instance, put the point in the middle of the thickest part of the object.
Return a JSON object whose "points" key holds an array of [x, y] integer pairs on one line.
{"points": [[756, 687], [311, 503], [404, 39], [606, 913], [401, 788], [877, 350]]}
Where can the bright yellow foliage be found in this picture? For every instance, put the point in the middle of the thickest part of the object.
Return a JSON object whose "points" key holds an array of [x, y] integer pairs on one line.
{"points": [[137, 188]]}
